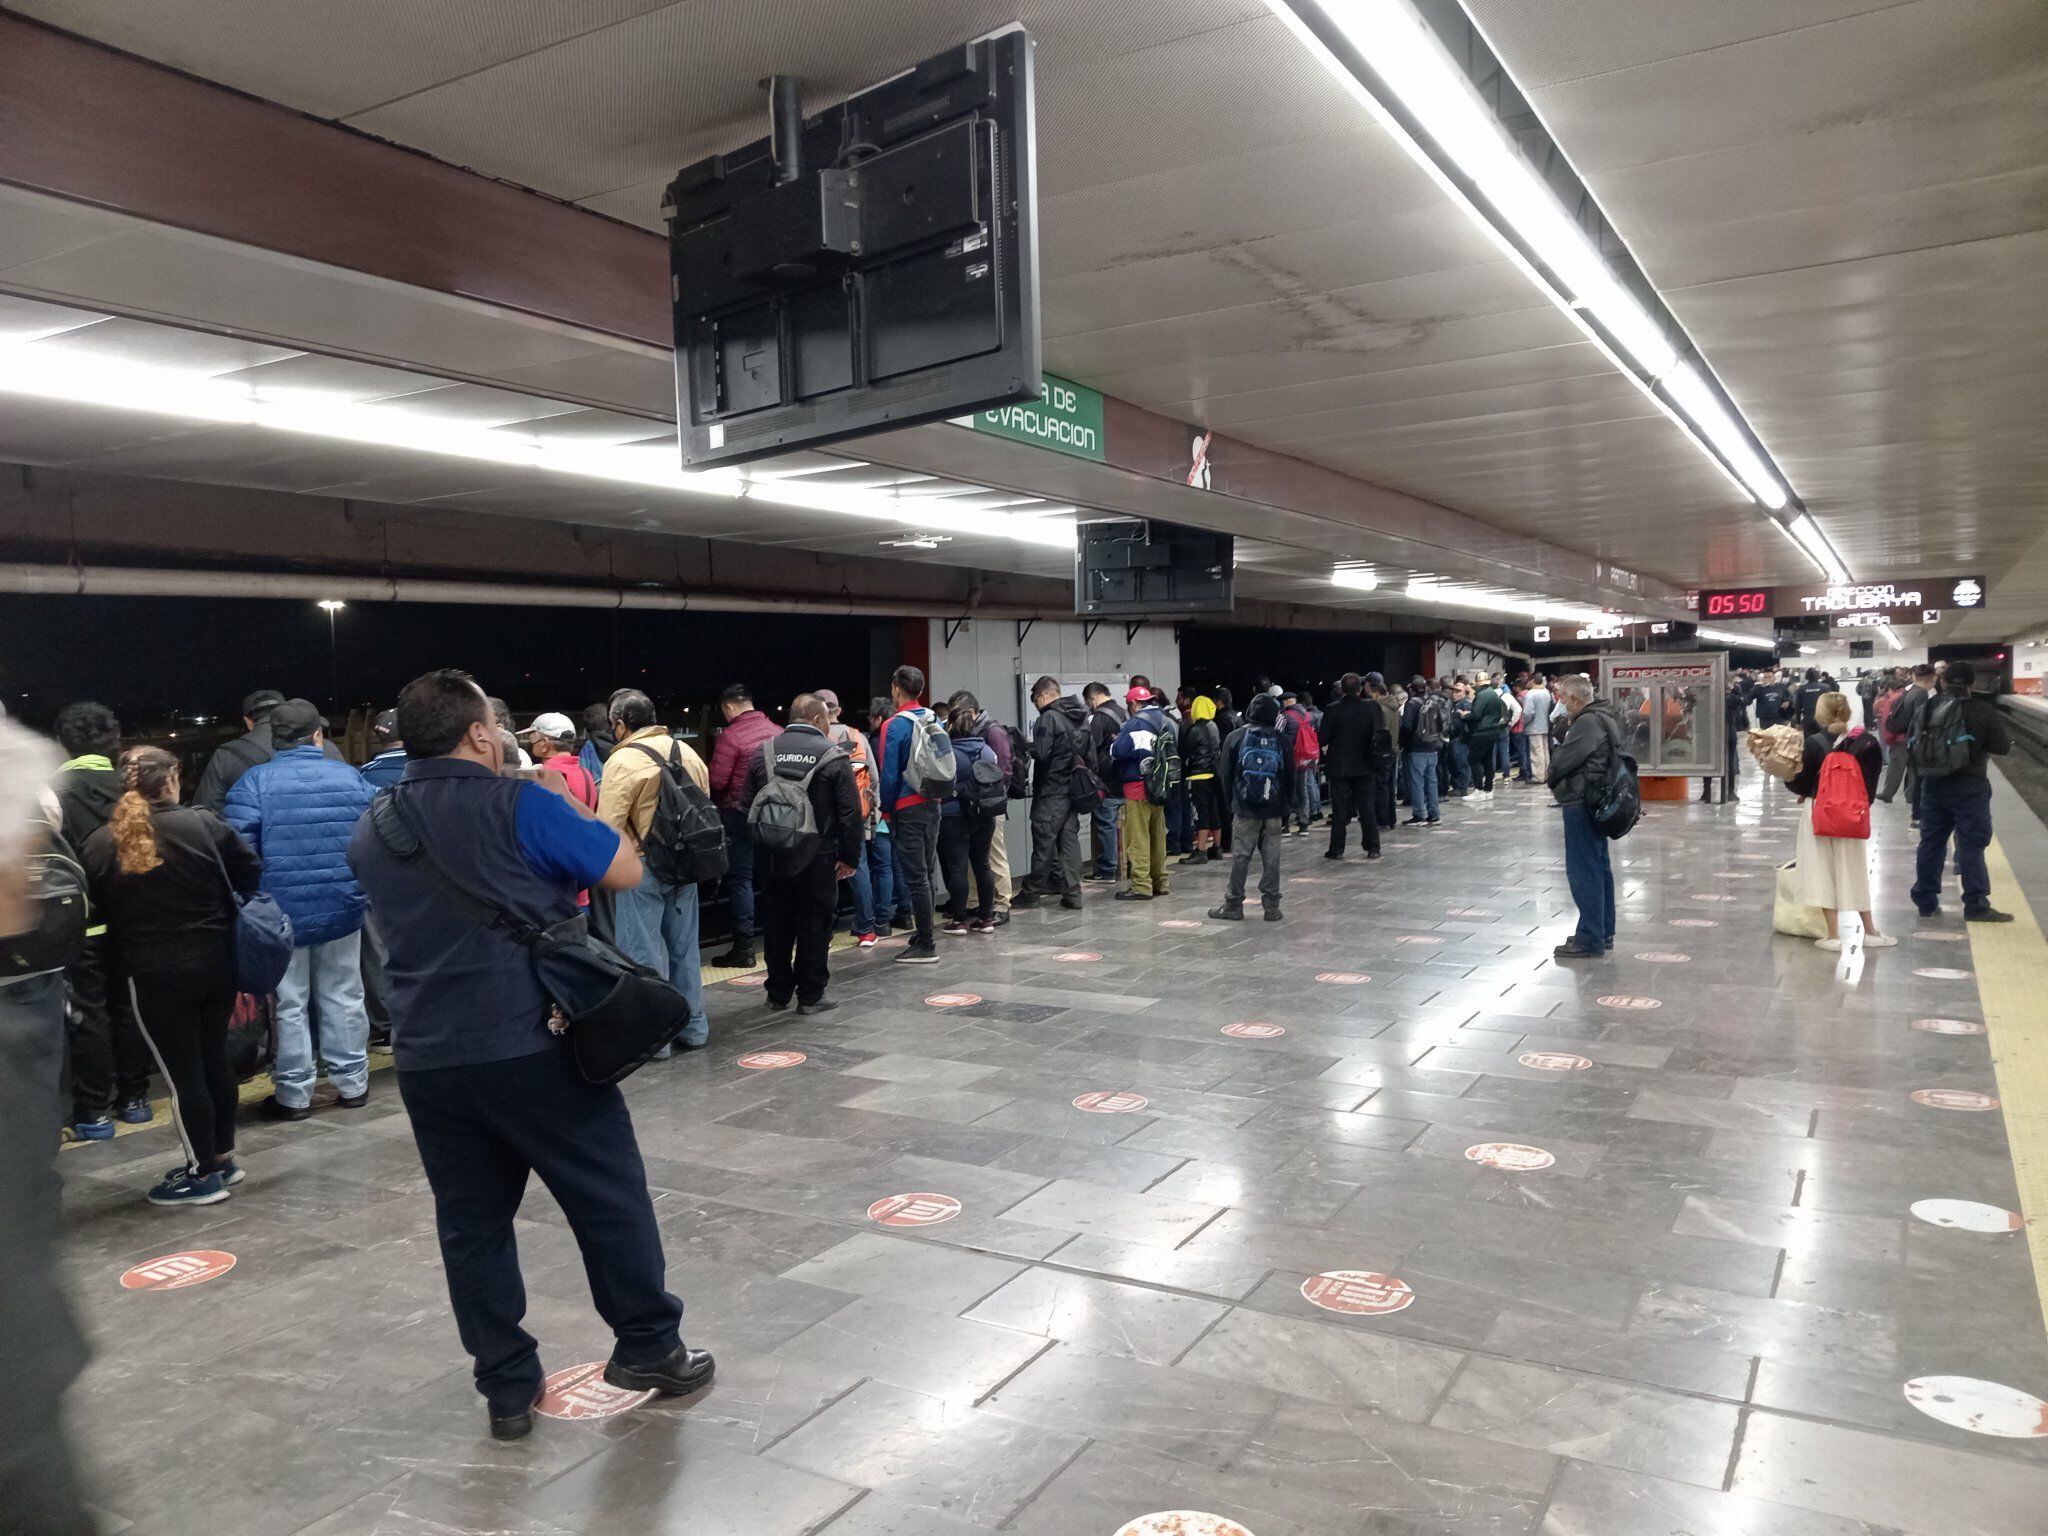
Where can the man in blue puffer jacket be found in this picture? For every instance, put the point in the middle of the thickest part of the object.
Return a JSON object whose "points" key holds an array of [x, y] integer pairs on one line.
{"points": [[298, 811]]}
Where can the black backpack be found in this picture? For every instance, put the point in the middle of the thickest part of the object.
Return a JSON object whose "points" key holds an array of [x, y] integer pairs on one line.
{"points": [[980, 786], [1941, 742], [781, 822], [1020, 762], [1617, 805], [685, 842], [1085, 793], [56, 910], [1431, 731]]}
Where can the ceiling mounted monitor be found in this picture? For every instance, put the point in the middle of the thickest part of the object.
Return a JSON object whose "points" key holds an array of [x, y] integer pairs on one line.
{"points": [[871, 267], [1134, 568]]}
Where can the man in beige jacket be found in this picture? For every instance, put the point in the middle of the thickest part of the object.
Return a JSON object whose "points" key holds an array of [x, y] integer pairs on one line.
{"points": [[656, 924]]}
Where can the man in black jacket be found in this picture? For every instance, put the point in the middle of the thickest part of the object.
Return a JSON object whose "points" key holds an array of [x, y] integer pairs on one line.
{"points": [[1255, 828], [1106, 718], [1807, 702], [797, 902], [1579, 768], [235, 758], [1352, 731], [1059, 741], [1959, 802], [110, 1064]]}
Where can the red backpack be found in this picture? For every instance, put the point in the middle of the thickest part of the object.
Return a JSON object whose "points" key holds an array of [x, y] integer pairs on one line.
{"points": [[1841, 806], [1308, 747]]}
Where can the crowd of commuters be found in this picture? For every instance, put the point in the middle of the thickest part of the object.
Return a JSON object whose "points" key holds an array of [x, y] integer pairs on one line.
{"points": [[617, 819]]}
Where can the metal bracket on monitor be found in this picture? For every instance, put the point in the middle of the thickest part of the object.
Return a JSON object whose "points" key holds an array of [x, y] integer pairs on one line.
{"points": [[952, 627]]}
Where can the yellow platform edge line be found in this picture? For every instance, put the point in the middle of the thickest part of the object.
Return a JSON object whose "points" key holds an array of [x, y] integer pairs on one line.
{"points": [[2011, 961]]}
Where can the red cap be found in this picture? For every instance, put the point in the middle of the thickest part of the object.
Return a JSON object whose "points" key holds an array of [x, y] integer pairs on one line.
{"points": [[1140, 695]]}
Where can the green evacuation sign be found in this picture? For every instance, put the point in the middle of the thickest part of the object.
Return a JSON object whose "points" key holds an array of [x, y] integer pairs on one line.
{"points": [[1065, 416]]}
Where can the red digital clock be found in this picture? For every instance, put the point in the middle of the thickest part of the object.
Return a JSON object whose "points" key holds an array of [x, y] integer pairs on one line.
{"points": [[1743, 603]]}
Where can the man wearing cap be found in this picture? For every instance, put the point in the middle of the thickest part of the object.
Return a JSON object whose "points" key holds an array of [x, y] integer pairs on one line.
{"points": [[388, 766], [297, 810], [551, 742], [855, 746], [237, 757], [1144, 823]]}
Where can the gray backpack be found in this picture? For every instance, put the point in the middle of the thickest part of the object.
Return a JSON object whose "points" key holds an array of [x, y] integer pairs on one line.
{"points": [[931, 769], [781, 823]]}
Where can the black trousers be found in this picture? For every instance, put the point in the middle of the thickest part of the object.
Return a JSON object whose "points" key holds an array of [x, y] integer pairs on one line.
{"points": [[1055, 847], [109, 1063], [1355, 794], [796, 913], [963, 852], [1384, 792], [916, 830], [183, 1014], [481, 1130], [1482, 755]]}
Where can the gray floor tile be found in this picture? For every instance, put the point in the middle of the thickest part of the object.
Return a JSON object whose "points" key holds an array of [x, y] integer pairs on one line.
{"points": [[919, 1351], [655, 1483], [1349, 1368], [906, 1271], [1601, 1501], [1072, 1206], [1101, 1316]]}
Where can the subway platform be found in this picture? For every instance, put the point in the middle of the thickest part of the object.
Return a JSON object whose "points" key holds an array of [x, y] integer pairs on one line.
{"points": [[1372, 1221]]}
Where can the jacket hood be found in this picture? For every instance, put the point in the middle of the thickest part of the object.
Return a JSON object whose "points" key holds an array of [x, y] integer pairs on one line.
{"points": [[1264, 709], [1070, 709], [1204, 708]]}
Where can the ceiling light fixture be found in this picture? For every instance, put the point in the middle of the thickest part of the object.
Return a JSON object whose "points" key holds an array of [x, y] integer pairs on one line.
{"points": [[1805, 533], [1513, 605], [1734, 637], [1359, 578], [1892, 637], [1394, 64], [48, 371]]}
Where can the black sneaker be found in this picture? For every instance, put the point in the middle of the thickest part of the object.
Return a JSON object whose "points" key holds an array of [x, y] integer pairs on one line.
{"points": [[184, 1187], [739, 957], [277, 1109], [1133, 895], [685, 1371], [1215, 854], [1227, 913], [1933, 911], [919, 954], [1070, 903], [1333, 854], [822, 1005], [357, 1101], [1273, 914], [1196, 858], [776, 1004], [1433, 821], [1371, 855], [1985, 914], [1024, 901], [1416, 821], [1569, 950]]}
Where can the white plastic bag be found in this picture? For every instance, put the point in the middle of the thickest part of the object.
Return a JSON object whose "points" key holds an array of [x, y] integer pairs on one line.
{"points": [[1790, 914]]}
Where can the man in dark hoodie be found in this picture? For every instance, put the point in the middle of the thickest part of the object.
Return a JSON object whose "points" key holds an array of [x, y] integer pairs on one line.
{"points": [[1105, 719], [1579, 767], [1257, 785], [1354, 745], [1059, 740], [110, 1065]]}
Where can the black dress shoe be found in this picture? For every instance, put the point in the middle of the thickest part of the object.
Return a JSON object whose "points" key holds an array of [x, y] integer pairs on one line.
{"points": [[1228, 913], [345, 1102], [776, 1004], [1569, 950], [1985, 914], [822, 1005], [1023, 901], [1333, 855], [512, 1426], [684, 1371], [281, 1111], [1070, 903], [1133, 896]]}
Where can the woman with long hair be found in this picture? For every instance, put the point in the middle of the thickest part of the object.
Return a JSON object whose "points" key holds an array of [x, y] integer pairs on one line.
{"points": [[1834, 871], [160, 874]]}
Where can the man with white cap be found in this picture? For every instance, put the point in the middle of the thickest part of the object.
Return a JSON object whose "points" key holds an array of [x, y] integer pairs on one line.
{"points": [[551, 742]]}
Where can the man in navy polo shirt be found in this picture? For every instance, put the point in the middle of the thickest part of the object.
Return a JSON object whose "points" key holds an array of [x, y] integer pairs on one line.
{"points": [[492, 1092]]}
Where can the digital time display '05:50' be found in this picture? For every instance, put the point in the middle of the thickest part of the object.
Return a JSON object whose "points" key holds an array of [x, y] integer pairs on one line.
{"points": [[1753, 603]]}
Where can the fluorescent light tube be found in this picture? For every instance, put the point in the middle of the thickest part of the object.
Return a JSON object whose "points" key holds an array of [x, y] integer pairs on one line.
{"points": [[1357, 577], [1807, 535]]}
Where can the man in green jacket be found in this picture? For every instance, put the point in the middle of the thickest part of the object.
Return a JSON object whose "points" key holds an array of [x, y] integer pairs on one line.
{"points": [[1485, 727]]}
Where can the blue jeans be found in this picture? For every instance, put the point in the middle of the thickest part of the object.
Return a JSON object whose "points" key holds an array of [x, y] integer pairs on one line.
{"points": [[1461, 765], [1518, 753], [1108, 815], [1422, 802], [739, 878], [1180, 820], [879, 864], [1591, 877], [863, 893], [657, 925], [1959, 805], [1500, 754], [324, 981]]}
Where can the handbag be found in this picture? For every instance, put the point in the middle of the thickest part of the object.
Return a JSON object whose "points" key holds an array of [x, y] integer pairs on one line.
{"points": [[619, 1013], [263, 937], [1790, 914]]}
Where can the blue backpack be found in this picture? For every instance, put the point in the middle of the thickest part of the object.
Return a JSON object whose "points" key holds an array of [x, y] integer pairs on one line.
{"points": [[1259, 761]]}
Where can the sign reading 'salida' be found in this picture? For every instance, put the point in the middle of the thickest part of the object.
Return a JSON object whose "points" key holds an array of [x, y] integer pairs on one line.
{"points": [[1905, 601]]}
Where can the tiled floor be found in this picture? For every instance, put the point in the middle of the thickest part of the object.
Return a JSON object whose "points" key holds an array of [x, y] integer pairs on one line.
{"points": [[1698, 1318]]}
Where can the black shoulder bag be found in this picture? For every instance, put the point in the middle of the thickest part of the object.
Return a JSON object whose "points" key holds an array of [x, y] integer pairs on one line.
{"points": [[618, 1012]]}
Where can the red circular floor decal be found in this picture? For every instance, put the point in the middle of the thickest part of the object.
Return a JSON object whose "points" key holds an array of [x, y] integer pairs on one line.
{"points": [[751, 979], [581, 1392], [953, 999], [1983, 1407], [1255, 1031], [1663, 957], [1111, 1103], [1510, 1156], [1942, 973], [175, 1271], [769, 1061], [1949, 1026], [1553, 1061], [1180, 922], [1693, 922], [914, 1210], [1361, 1292], [1623, 1000], [1967, 1215], [1077, 956], [1344, 978], [1182, 1522], [1417, 938], [1954, 1098]]}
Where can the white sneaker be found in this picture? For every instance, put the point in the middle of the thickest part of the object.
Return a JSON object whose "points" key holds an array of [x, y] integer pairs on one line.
{"points": [[1878, 941], [1828, 944]]}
